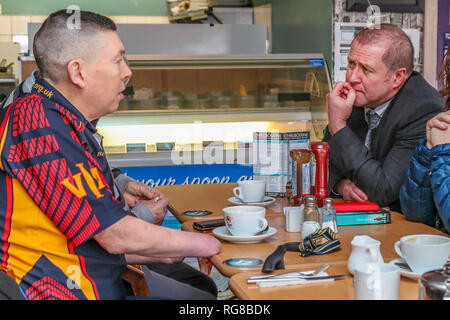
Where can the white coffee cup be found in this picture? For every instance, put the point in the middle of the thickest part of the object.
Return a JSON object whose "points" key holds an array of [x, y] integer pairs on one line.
{"points": [[294, 218], [250, 190], [377, 281], [423, 252], [245, 220]]}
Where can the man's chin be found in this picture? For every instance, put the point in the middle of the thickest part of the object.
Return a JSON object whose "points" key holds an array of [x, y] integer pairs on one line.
{"points": [[114, 107], [360, 103]]}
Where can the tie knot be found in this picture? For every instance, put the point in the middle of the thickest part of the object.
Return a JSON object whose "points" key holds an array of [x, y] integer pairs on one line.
{"points": [[372, 119]]}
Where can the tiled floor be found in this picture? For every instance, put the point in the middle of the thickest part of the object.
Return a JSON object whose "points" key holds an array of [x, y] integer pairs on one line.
{"points": [[226, 295]]}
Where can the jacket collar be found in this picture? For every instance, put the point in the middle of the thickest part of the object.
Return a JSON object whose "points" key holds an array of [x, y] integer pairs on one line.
{"points": [[47, 91]]}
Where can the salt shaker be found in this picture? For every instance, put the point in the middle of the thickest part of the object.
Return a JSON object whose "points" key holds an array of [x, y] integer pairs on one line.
{"points": [[311, 217], [329, 215]]}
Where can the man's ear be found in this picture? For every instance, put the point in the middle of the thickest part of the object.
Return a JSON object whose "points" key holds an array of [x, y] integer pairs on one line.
{"points": [[399, 77], [76, 73]]}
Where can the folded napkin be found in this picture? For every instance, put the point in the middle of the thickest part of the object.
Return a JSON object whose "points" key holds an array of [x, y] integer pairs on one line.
{"points": [[282, 282], [351, 206], [321, 241]]}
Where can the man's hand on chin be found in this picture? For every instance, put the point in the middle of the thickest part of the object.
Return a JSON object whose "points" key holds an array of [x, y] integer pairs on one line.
{"points": [[340, 104]]}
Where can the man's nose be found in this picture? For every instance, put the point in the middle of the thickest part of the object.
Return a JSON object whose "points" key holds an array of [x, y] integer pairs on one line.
{"points": [[127, 73], [354, 75]]}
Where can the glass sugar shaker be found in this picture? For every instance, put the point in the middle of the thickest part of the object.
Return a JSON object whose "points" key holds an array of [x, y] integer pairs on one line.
{"points": [[329, 215], [311, 216]]}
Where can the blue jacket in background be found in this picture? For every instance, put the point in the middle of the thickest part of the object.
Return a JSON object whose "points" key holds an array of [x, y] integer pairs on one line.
{"points": [[425, 194]]}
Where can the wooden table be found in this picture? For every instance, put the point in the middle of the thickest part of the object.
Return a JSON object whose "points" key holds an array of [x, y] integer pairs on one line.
{"points": [[211, 197], [197, 197], [214, 198], [387, 234], [342, 289]]}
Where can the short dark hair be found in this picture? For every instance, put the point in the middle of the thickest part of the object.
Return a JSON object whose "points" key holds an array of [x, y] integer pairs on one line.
{"points": [[400, 51], [55, 43]]}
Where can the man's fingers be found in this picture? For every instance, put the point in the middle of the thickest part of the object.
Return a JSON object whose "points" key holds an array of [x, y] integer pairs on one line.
{"points": [[444, 116], [352, 196], [441, 121], [358, 192], [360, 195], [345, 88], [161, 201], [351, 95], [342, 85], [435, 123], [353, 193], [339, 89]]}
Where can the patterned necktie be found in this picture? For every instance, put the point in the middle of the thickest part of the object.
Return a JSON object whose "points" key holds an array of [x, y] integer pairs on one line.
{"points": [[372, 119]]}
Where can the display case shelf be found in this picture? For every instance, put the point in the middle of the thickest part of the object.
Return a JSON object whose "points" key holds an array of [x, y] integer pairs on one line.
{"points": [[187, 100]]}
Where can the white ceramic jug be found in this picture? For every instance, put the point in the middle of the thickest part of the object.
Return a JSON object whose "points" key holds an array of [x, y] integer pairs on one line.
{"points": [[364, 250]]}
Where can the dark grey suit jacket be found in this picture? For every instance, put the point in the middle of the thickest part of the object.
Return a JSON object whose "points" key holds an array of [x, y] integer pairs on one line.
{"points": [[380, 172]]}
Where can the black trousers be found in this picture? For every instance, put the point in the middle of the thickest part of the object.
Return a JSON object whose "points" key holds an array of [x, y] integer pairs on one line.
{"points": [[179, 281], [9, 289]]}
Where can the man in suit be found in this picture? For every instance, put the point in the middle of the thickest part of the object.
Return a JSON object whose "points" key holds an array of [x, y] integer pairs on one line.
{"points": [[377, 117]]}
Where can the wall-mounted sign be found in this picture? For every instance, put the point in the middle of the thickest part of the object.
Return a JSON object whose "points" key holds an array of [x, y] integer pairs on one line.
{"points": [[155, 176]]}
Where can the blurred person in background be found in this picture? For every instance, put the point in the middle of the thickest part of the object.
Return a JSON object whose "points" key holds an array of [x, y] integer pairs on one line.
{"points": [[425, 194]]}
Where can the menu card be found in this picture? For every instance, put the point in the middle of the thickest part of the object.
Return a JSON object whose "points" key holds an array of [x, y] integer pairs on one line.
{"points": [[271, 158]]}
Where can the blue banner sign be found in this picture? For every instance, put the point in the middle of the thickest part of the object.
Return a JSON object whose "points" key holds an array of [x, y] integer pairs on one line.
{"points": [[190, 174]]}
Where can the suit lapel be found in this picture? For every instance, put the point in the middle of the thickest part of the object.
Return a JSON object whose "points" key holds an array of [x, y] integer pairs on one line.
{"points": [[357, 123]]}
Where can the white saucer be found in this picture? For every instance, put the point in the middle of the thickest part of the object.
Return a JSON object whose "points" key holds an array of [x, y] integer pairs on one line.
{"points": [[404, 271], [224, 234], [266, 202]]}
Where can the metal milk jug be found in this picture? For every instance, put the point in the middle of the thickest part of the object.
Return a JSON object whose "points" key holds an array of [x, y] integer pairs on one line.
{"points": [[435, 284]]}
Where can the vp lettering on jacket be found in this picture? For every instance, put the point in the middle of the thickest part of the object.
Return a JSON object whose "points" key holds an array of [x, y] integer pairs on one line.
{"points": [[76, 186]]}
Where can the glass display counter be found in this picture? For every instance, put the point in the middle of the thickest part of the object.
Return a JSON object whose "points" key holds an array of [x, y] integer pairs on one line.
{"points": [[178, 107], [191, 119]]}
